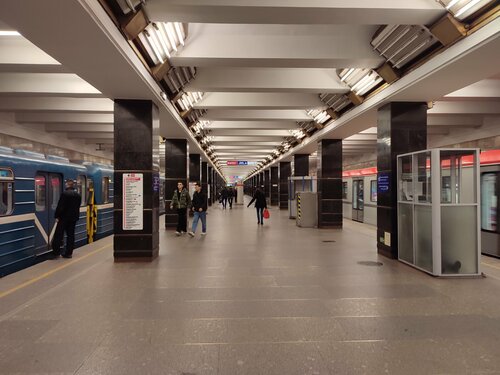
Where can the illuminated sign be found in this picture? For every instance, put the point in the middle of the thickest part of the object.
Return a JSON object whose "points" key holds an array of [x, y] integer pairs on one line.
{"points": [[236, 162]]}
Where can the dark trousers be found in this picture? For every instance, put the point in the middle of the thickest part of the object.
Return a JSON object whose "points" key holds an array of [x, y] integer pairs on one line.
{"points": [[230, 199], [182, 220], [224, 202], [69, 228], [260, 215]]}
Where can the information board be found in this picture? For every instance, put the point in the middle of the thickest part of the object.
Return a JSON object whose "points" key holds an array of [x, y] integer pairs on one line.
{"points": [[133, 201], [383, 182]]}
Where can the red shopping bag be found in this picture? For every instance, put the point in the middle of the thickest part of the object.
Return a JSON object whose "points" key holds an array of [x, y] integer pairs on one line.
{"points": [[267, 215]]}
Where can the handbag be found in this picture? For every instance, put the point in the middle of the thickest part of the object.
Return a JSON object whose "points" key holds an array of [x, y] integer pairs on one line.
{"points": [[266, 215]]}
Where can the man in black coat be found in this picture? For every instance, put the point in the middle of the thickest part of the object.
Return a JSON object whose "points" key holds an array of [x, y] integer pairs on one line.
{"points": [[67, 214], [200, 206]]}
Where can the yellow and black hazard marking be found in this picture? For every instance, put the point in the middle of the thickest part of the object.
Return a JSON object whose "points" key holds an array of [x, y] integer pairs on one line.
{"points": [[91, 216], [299, 211]]}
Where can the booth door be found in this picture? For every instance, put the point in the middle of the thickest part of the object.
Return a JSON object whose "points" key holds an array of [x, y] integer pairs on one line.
{"points": [[358, 205]]}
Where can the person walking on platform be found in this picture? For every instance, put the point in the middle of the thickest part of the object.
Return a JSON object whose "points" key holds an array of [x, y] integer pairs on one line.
{"points": [[66, 215], [223, 197], [230, 197], [200, 206], [260, 204], [181, 201]]}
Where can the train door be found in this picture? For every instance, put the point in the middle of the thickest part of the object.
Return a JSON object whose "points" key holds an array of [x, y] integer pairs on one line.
{"points": [[48, 188], [490, 209], [358, 205]]}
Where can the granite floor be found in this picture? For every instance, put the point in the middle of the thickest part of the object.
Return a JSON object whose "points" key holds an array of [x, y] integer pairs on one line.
{"points": [[246, 299]]}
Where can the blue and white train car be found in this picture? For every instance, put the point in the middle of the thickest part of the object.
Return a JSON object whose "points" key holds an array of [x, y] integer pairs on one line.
{"points": [[30, 186]]}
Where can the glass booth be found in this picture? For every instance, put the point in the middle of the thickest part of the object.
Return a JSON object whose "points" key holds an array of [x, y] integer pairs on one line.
{"points": [[438, 211], [296, 185]]}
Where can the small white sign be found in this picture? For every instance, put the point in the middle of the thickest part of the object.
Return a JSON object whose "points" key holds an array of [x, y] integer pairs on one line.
{"points": [[133, 201], [387, 238]]}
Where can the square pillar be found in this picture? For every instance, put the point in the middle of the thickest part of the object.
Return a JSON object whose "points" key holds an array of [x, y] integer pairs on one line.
{"points": [[194, 167], [285, 172], [330, 183], [209, 183], [301, 165], [401, 128], [176, 169], [267, 183], [204, 176], [136, 180], [275, 192]]}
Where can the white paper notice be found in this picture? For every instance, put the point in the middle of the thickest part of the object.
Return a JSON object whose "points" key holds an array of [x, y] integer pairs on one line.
{"points": [[133, 201]]}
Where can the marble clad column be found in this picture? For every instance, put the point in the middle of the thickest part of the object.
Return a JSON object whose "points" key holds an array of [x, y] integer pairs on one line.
{"points": [[194, 168], [267, 183], [136, 233], [209, 183], [301, 165], [176, 169], [285, 172], [261, 181], [330, 183], [275, 192], [401, 128]]}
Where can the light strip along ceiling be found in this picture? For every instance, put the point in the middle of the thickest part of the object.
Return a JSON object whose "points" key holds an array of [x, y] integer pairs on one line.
{"points": [[461, 9]]}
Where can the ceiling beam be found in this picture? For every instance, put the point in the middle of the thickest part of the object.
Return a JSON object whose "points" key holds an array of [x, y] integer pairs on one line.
{"points": [[256, 115], [412, 12], [50, 104], [240, 100], [454, 120], [98, 128], [286, 46], [465, 108], [90, 135], [306, 80], [486, 89], [214, 125], [66, 118], [255, 133], [233, 139], [46, 84]]}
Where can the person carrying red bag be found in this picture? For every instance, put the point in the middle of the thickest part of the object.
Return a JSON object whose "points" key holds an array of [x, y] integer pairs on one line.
{"points": [[260, 204]]}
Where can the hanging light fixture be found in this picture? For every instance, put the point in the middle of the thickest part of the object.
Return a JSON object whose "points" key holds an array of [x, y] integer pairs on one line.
{"points": [[162, 39], [461, 9], [360, 80], [319, 115]]}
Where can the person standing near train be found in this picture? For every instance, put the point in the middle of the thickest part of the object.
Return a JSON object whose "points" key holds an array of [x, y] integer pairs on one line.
{"points": [[181, 201], [66, 215]]}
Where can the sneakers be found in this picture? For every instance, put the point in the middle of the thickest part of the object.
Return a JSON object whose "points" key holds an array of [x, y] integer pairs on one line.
{"points": [[203, 233], [191, 234], [177, 233]]}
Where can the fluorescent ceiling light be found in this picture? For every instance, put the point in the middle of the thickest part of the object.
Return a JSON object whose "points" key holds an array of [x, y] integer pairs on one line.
{"points": [[466, 7], [9, 33]]}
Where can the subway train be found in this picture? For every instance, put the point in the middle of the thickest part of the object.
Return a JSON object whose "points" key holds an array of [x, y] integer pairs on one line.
{"points": [[30, 186], [359, 196]]}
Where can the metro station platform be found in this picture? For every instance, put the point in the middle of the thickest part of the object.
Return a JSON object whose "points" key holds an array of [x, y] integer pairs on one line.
{"points": [[245, 299]]}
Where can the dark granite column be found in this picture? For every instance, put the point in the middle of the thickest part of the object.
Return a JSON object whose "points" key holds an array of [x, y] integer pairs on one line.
{"points": [[402, 128], [285, 172], [261, 181], [136, 232], [209, 184], [301, 165], [275, 186], [267, 183], [204, 177], [176, 169], [330, 183], [194, 167]]}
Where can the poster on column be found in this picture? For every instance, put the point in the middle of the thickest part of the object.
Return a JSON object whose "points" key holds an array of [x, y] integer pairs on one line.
{"points": [[133, 201]]}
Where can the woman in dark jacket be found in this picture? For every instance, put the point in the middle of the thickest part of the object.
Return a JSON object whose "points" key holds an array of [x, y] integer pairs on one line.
{"points": [[260, 204]]}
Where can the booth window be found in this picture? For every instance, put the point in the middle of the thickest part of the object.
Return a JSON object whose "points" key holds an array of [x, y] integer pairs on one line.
{"points": [[373, 191], [344, 190], [105, 190], [6, 192]]}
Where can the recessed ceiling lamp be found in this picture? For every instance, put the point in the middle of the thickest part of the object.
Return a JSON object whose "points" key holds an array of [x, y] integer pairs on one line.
{"points": [[320, 116], [199, 126], [297, 133], [360, 80], [337, 102], [189, 99], [462, 9], [400, 44], [162, 39], [206, 140]]}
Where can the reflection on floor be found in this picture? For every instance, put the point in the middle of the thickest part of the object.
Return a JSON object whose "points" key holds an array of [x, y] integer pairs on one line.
{"points": [[246, 299]]}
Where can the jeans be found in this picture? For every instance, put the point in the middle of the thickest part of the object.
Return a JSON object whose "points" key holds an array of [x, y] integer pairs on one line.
{"points": [[181, 220], [200, 215], [260, 215]]}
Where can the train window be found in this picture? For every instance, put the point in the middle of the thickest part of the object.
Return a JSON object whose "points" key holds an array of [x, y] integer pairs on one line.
{"points": [[55, 186], [6, 192], [344, 190], [81, 187], [40, 193], [105, 190]]}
